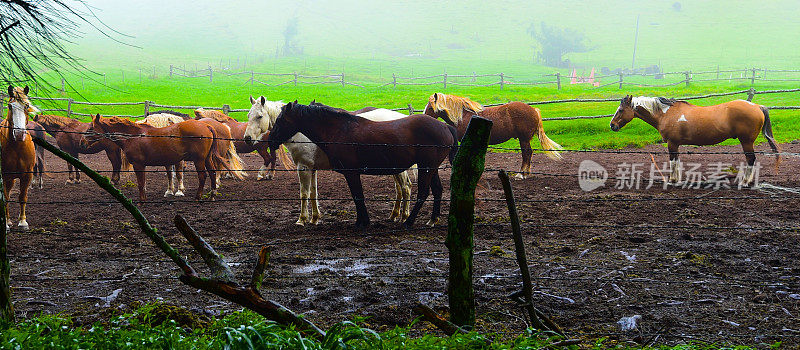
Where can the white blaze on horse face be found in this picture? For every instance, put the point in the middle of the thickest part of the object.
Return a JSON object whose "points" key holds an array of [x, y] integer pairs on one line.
{"points": [[19, 120], [682, 118]]}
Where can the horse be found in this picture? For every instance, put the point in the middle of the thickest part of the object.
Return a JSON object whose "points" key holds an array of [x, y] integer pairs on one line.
{"points": [[184, 116], [513, 120], [356, 146], [309, 158], [233, 165], [237, 134], [17, 152], [163, 119], [681, 123], [36, 130], [145, 145], [69, 132]]}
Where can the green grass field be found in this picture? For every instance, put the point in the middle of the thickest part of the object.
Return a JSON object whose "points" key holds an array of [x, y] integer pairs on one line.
{"points": [[119, 86]]}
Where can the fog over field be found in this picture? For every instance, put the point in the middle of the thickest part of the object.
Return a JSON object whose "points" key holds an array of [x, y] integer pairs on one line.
{"points": [[673, 33]]}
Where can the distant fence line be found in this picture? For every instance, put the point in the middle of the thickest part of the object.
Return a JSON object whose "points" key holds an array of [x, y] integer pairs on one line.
{"points": [[226, 108], [445, 79]]}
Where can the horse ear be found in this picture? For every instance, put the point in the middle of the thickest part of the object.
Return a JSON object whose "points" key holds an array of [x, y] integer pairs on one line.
{"points": [[435, 96], [252, 100], [10, 91], [26, 89], [97, 117], [262, 100]]}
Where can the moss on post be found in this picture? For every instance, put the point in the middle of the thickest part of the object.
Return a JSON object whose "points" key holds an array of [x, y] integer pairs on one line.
{"points": [[468, 166]]}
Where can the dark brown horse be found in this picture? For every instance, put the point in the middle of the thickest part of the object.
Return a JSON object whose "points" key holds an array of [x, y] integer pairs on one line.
{"points": [[237, 134], [513, 120], [145, 145], [358, 146], [17, 152], [681, 123], [69, 132]]}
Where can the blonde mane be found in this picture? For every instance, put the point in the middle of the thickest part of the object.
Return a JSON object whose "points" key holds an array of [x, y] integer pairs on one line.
{"points": [[651, 104], [453, 106], [213, 114], [160, 120]]}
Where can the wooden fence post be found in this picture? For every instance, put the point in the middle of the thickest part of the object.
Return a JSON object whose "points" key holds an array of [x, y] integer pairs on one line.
{"points": [[445, 80], [252, 78], [468, 166], [717, 72], [410, 109], [394, 80], [753, 77], [170, 71], [146, 107], [558, 80], [64, 85], [343, 83], [6, 307], [69, 108], [226, 109], [123, 76], [688, 76], [295, 79], [210, 75], [502, 82], [620, 80]]}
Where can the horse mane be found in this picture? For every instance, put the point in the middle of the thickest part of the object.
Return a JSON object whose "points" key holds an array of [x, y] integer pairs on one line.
{"points": [[161, 120], [651, 104], [273, 109], [167, 111], [453, 105], [201, 113], [58, 120], [317, 108]]}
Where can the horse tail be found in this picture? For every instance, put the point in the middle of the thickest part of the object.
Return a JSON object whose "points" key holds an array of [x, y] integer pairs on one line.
{"points": [[767, 130], [550, 147], [283, 155], [126, 165], [236, 162], [454, 147], [218, 163]]}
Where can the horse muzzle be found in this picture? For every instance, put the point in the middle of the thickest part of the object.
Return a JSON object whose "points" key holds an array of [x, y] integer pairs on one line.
{"points": [[18, 134], [249, 140], [614, 127]]}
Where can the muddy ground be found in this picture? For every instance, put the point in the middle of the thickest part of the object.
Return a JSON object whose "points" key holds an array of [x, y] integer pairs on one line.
{"points": [[695, 264]]}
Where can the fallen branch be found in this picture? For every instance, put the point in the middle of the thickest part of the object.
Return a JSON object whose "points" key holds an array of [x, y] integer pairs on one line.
{"points": [[440, 322]]}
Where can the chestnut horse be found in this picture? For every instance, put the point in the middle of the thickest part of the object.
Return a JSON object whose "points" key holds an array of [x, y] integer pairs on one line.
{"points": [[36, 130], [513, 120], [681, 123], [237, 134], [356, 145], [145, 145], [17, 152], [69, 132], [175, 185]]}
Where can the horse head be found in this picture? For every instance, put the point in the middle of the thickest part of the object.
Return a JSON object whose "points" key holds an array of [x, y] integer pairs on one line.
{"points": [[624, 114], [19, 109], [285, 126], [260, 119]]}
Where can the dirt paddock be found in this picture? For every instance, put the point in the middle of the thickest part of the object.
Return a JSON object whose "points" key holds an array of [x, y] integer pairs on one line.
{"points": [[695, 264]]}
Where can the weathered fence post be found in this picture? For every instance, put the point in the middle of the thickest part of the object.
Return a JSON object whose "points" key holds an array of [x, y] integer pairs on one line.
{"points": [[154, 72], [210, 75], [558, 80], [123, 76], [620, 80], [474, 77], [6, 307], [468, 166], [502, 82], [226, 109], [717, 72], [444, 75], [410, 109], [170, 71], [688, 76], [252, 78], [146, 107], [64, 85], [69, 108], [343, 83], [394, 80], [295, 79], [753, 76]]}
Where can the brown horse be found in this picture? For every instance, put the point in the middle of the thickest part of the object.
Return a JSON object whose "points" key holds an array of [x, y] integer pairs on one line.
{"points": [[226, 150], [69, 132], [513, 120], [237, 134], [36, 130], [356, 146], [145, 145], [17, 152], [681, 123]]}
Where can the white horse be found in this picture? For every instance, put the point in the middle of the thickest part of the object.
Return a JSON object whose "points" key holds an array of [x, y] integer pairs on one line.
{"points": [[310, 158]]}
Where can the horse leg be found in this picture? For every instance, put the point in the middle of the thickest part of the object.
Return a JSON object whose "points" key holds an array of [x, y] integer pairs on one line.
{"points": [[72, 170], [273, 161], [423, 190], [437, 189], [406, 207], [357, 192], [398, 198], [179, 172], [212, 174], [674, 163], [305, 176], [263, 169], [115, 157], [200, 167], [527, 153], [24, 183], [140, 180], [315, 214], [7, 185], [749, 153], [170, 181]]}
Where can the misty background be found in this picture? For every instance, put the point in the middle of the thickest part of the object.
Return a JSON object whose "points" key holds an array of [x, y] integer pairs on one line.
{"points": [[675, 34]]}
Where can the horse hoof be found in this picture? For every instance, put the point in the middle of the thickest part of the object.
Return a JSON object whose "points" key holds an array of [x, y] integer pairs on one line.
{"points": [[77, 181], [179, 194], [315, 220], [300, 222], [432, 223], [519, 176], [23, 225], [69, 182], [259, 177], [168, 193]]}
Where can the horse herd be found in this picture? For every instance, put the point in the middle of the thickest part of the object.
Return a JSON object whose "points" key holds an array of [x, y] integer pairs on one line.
{"points": [[369, 141]]}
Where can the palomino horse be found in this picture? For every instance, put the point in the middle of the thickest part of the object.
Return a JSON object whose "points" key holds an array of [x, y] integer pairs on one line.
{"points": [[513, 120], [309, 158], [145, 145], [681, 123], [69, 132], [356, 146], [237, 134], [17, 152]]}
